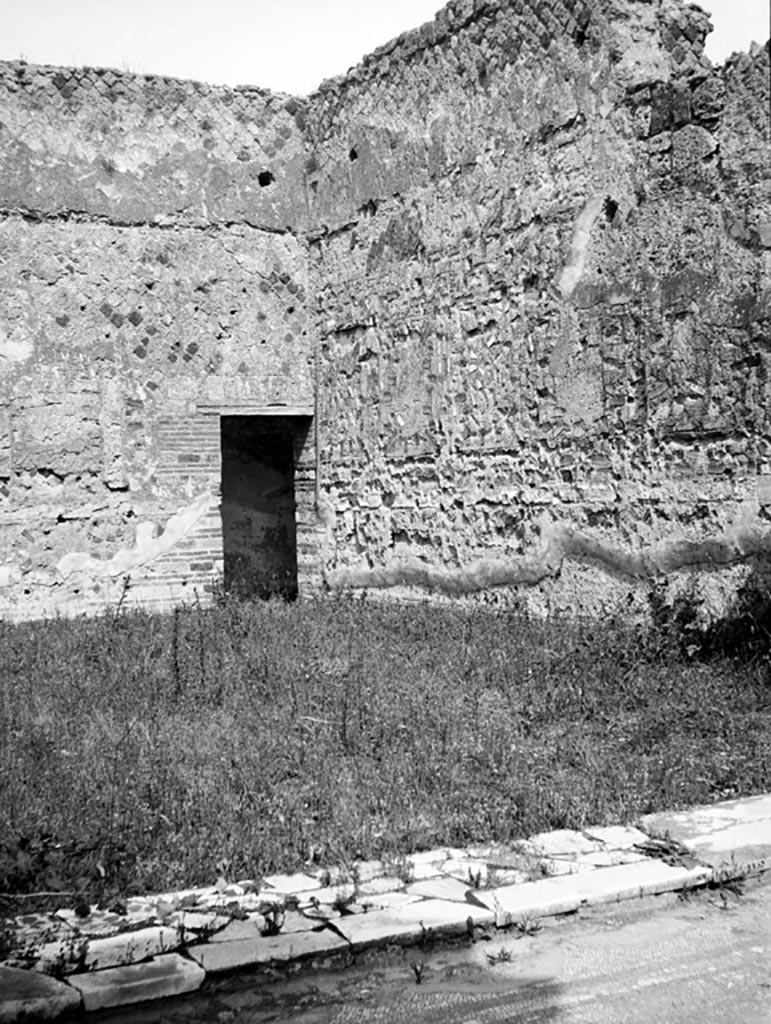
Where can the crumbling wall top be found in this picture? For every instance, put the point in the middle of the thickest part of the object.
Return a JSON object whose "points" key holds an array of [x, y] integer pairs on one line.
{"points": [[541, 24], [147, 149]]}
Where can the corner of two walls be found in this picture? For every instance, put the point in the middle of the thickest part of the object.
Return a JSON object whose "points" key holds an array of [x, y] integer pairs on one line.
{"points": [[523, 252], [541, 241]]}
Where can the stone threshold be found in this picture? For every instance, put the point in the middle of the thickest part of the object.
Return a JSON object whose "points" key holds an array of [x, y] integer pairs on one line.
{"points": [[167, 944]]}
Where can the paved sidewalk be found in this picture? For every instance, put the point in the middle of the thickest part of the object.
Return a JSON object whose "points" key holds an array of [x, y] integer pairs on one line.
{"points": [[168, 944]]}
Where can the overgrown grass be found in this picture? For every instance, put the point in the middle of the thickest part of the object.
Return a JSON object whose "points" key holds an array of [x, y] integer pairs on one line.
{"points": [[142, 752]]}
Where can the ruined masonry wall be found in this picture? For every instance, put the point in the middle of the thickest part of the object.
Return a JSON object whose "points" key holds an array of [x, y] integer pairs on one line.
{"points": [[520, 258], [147, 282], [541, 244]]}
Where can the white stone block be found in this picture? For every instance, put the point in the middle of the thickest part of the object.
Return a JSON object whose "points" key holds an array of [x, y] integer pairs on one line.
{"points": [[330, 894], [235, 931], [296, 921], [610, 858], [366, 870], [410, 922], [292, 884], [197, 922], [170, 975], [553, 867], [466, 869], [446, 888], [387, 883], [563, 895], [544, 898], [616, 837], [562, 842], [216, 957], [734, 836], [392, 900], [29, 996], [130, 947]]}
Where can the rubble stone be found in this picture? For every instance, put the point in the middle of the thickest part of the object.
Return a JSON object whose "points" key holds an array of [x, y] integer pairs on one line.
{"points": [[28, 996]]}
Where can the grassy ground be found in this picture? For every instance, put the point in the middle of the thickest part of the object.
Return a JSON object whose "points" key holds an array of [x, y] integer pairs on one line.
{"points": [[141, 752]]}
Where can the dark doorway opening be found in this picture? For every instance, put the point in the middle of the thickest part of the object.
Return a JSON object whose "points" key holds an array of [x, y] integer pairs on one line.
{"points": [[259, 530]]}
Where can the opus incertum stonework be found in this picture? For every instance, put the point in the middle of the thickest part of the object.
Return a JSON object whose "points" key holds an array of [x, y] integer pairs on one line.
{"points": [[487, 314]]}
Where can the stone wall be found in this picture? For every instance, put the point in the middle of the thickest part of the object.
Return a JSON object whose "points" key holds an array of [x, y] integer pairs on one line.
{"points": [[149, 282], [541, 236], [518, 261]]}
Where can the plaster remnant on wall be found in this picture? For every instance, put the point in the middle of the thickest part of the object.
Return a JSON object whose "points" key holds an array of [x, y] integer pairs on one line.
{"points": [[559, 543], [579, 245], [149, 545], [9, 575], [14, 350]]}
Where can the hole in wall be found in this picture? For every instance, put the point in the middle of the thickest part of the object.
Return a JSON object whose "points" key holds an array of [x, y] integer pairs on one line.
{"points": [[610, 208], [265, 178], [352, 154]]}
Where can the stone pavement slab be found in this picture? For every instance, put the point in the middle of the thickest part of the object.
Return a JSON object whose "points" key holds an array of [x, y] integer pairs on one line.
{"points": [[389, 883], [99, 925], [193, 922], [329, 894], [609, 858], [467, 869], [130, 947], [169, 975], [560, 843], [567, 893], [616, 837], [732, 836], [445, 888], [29, 996], [411, 922], [236, 931], [390, 900], [217, 957], [294, 884]]}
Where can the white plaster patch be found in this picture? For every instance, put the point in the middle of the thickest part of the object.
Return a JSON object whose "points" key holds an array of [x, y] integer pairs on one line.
{"points": [[149, 545], [9, 574], [582, 233], [14, 351]]}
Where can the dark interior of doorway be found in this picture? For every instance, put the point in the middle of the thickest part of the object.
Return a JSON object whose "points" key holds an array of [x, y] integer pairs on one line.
{"points": [[259, 530]]}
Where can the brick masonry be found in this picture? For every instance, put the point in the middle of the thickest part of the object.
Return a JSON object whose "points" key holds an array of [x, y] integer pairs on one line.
{"points": [[518, 262]]}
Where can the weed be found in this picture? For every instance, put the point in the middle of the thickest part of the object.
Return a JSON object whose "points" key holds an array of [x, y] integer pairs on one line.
{"points": [[418, 968], [401, 868], [728, 880], [475, 879], [273, 916], [527, 925], [343, 900], [8, 941], [503, 956]]}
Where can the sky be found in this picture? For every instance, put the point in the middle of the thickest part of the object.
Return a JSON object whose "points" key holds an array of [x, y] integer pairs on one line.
{"points": [[283, 45]]}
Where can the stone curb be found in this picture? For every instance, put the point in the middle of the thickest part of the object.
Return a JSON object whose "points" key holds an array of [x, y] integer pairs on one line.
{"points": [[168, 944]]}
